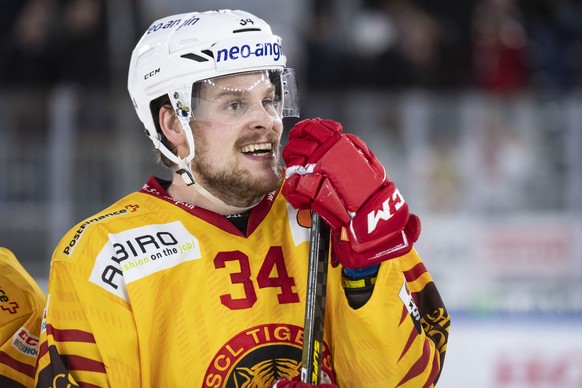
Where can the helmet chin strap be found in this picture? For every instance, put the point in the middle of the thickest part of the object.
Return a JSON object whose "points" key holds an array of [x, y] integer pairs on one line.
{"points": [[180, 101]]}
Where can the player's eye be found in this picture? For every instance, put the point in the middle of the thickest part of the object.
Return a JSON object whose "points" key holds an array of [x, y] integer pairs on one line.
{"points": [[235, 106], [271, 101]]}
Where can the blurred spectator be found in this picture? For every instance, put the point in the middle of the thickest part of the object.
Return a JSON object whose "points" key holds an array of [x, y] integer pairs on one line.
{"points": [[55, 40], [326, 54], [394, 44], [389, 44], [499, 46], [555, 33], [455, 60], [420, 41], [28, 58]]}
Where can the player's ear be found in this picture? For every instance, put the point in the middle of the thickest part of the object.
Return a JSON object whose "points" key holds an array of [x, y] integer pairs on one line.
{"points": [[170, 126]]}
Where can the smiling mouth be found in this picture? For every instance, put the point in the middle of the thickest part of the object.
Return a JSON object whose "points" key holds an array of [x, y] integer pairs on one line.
{"points": [[258, 149]]}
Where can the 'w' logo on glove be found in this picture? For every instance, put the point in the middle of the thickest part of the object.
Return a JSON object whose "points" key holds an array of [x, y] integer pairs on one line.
{"points": [[339, 178], [389, 208]]}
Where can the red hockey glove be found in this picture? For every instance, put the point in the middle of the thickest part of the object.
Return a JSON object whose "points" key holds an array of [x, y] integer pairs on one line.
{"points": [[339, 178]]}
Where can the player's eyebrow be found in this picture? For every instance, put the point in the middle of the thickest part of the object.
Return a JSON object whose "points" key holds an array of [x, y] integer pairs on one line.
{"points": [[229, 93]]}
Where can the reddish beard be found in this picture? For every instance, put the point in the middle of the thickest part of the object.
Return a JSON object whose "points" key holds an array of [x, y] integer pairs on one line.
{"points": [[236, 185]]}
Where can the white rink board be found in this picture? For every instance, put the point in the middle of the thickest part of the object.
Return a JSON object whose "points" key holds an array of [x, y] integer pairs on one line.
{"points": [[542, 354]]}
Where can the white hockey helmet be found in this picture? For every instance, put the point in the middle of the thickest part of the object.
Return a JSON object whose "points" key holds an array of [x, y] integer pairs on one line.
{"points": [[179, 50]]}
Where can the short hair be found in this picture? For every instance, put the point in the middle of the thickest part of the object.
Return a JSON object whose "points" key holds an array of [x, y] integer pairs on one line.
{"points": [[155, 105]]}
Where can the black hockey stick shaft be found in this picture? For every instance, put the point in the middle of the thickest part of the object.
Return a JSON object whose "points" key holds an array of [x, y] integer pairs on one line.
{"points": [[315, 301]]}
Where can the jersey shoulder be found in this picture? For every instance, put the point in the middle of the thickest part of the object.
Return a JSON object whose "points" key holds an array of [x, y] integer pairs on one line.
{"points": [[131, 211], [21, 306], [19, 293]]}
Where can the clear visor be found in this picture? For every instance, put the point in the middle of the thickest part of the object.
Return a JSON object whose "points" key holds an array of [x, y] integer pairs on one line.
{"points": [[255, 95]]}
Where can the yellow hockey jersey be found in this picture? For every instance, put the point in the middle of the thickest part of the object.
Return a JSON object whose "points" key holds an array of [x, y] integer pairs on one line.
{"points": [[154, 292], [21, 306]]}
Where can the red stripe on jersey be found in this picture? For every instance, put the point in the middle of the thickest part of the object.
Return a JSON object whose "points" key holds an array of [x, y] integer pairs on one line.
{"points": [[83, 363], [87, 385], [411, 338], [415, 272], [419, 366], [433, 373], [403, 316], [16, 365], [70, 335], [259, 212], [42, 349]]}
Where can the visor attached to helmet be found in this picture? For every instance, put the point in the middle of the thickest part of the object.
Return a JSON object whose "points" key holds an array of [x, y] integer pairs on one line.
{"points": [[233, 99]]}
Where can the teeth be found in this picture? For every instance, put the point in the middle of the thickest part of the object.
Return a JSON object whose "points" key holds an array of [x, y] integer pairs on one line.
{"points": [[256, 147]]}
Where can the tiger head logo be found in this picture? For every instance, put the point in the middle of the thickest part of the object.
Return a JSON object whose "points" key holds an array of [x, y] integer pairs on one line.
{"points": [[265, 373]]}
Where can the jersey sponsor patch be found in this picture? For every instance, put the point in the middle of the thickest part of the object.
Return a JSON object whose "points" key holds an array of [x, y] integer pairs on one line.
{"points": [[408, 301], [25, 342], [133, 254], [70, 247]]}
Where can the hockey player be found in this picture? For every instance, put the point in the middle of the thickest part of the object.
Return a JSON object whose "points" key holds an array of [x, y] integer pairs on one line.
{"points": [[200, 280], [21, 306]]}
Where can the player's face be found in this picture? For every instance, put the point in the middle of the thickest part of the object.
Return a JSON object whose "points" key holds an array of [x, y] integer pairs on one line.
{"points": [[237, 131]]}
